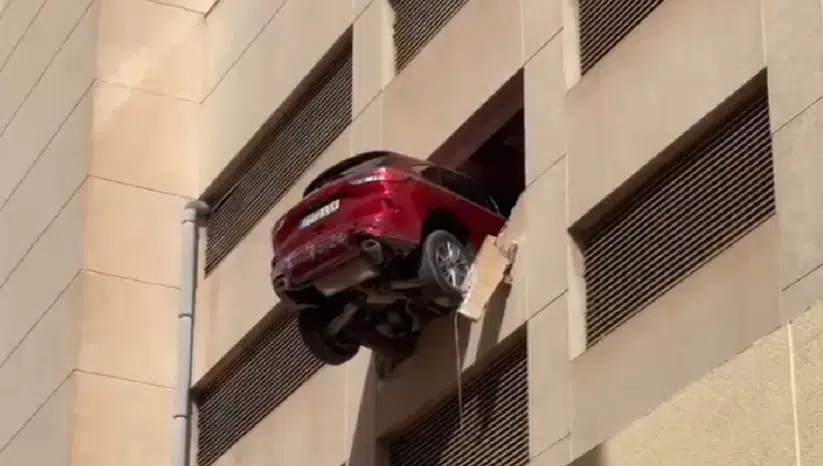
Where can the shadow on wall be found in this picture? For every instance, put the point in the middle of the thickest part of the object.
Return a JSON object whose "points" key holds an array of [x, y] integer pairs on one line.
{"points": [[433, 369], [593, 457]]}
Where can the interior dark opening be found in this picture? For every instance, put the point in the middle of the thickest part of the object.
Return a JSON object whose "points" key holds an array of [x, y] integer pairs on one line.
{"points": [[500, 163]]}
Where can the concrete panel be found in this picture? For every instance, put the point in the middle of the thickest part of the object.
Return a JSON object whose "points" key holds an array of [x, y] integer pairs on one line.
{"points": [[152, 46], [367, 128], [50, 103], [230, 28], [361, 410], [544, 249], [322, 393], [373, 55], [471, 58], [15, 19], [43, 39], [544, 90], [549, 378], [267, 73], [725, 306], [807, 346], [558, 454], [797, 298], [542, 20], [145, 139], [44, 441], [129, 330], [239, 291], [120, 422], [431, 371], [40, 364], [42, 276], [654, 86], [797, 163], [54, 178], [794, 53], [739, 414], [132, 232]]}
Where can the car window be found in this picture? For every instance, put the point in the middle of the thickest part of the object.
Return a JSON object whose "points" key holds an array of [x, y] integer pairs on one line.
{"points": [[467, 188], [429, 172], [346, 168]]}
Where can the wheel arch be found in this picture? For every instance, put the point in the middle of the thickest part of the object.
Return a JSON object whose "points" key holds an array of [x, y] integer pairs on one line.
{"points": [[440, 219]]}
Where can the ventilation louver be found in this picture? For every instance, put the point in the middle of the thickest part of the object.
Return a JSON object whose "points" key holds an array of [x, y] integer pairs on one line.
{"points": [[604, 23], [271, 369], [280, 158], [700, 204], [417, 22], [495, 428]]}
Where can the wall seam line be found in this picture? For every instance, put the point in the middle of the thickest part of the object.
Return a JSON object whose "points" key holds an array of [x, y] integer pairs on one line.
{"points": [[39, 319], [47, 68], [131, 279], [179, 7], [147, 91], [36, 411], [45, 148], [123, 379], [213, 87], [137, 186], [23, 34], [42, 233]]}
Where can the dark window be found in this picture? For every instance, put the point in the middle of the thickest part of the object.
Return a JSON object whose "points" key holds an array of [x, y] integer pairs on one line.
{"points": [[695, 207], [604, 23], [417, 22], [467, 188], [267, 372], [495, 420], [279, 156]]}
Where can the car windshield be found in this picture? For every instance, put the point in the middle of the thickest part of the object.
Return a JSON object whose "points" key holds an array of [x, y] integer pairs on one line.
{"points": [[362, 163]]}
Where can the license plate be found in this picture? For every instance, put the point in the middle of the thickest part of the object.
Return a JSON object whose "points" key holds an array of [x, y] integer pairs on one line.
{"points": [[320, 214]]}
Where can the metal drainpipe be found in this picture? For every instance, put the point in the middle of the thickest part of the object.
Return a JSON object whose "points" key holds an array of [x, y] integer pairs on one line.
{"points": [[193, 215]]}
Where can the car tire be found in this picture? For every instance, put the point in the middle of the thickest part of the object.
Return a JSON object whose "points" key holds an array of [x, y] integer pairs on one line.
{"points": [[331, 350], [444, 264]]}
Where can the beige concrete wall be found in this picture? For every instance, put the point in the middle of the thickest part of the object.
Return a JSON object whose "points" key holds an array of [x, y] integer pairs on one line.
{"points": [[762, 407], [141, 171], [585, 137], [99, 105], [47, 55]]}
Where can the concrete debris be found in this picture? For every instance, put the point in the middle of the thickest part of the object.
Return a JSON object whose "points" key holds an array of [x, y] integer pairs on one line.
{"points": [[491, 266]]}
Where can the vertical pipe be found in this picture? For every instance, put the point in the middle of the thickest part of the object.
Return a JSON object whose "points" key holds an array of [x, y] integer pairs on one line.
{"points": [[193, 215]]}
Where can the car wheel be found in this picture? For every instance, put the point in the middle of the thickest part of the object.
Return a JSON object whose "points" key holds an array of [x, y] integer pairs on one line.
{"points": [[444, 267], [330, 349]]}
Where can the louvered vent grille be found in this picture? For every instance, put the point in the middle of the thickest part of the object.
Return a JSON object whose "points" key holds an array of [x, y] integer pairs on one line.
{"points": [[417, 22], [262, 377], [495, 422], [604, 23], [281, 157], [699, 205]]}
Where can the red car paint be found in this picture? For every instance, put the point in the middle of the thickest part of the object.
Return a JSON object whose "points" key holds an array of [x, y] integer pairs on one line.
{"points": [[383, 196]]}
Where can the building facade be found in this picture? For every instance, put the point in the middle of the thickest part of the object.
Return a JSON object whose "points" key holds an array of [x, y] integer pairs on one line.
{"points": [[660, 159]]}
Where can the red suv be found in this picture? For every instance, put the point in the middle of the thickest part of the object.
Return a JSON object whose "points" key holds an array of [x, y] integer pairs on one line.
{"points": [[380, 245]]}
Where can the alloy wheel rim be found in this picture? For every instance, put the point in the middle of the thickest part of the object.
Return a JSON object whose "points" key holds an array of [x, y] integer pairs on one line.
{"points": [[452, 263]]}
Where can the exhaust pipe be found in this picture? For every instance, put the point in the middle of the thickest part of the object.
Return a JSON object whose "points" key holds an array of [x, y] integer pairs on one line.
{"points": [[193, 216]]}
